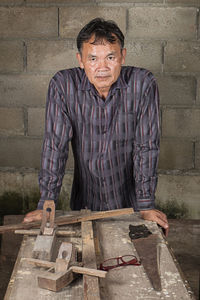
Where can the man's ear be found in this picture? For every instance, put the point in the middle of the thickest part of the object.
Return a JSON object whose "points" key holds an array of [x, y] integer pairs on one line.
{"points": [[78, 56], [123, 55]]}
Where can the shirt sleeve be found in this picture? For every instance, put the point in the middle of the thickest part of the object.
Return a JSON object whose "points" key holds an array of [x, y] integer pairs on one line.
{"points": [[147, 139], [58, 133]]}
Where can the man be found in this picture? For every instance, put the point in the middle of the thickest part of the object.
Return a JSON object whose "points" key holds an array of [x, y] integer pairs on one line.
{"points": [[110, 114]]}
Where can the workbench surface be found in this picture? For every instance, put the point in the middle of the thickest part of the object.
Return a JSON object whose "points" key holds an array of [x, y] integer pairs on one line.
{"points": [[123, 283]]}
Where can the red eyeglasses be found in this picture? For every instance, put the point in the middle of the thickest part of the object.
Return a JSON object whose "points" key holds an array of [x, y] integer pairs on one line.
{"points": [[119, 261]]}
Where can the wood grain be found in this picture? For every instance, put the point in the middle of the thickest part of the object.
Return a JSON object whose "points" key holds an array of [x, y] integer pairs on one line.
{"points": [[90, 283], [65, 220]]}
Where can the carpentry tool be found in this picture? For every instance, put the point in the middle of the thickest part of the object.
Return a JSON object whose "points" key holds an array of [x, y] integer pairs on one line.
{"points": [[63, 271], [45, 240], [148, 249]]}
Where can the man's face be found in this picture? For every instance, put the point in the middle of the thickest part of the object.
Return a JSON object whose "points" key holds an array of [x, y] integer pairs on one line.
{"points": [[102, 63]]}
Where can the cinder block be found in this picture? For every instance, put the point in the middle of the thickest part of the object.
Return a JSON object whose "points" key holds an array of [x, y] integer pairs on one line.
{"points": [[162, 22], [11, 121], [177, 90], [59, 2], [181, 188], [31, 186], [12, 2], [72, 19], [191, 2], [130, 1], [11, 181], [197, 155], [11, 58], [182, 56], [20, 152], [28, 22], [144, 54], [24, 153], [176, 154], [30, 182], [198, 91], [181, 122], [18, 90], [36, 121], [51, 55]]}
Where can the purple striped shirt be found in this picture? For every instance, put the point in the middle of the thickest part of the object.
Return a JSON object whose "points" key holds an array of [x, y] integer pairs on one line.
{"points": [[115, 142]]}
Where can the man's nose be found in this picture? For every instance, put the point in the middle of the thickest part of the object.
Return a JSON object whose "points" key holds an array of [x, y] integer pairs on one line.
{"points": [[102, 64]]}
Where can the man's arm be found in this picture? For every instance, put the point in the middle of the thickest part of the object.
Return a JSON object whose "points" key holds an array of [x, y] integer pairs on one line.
{"points": [[146, 155], [58, 133]]}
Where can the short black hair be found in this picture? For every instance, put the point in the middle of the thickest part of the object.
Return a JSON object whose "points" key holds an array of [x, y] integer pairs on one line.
{"points": [[102, 30]]}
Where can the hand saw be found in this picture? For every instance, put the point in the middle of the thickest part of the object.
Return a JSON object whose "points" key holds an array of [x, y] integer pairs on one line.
{"points": [[148, 249]]}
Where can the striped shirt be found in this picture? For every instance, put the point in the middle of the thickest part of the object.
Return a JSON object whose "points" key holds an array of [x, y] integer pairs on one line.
{"points": [[115, 141]]}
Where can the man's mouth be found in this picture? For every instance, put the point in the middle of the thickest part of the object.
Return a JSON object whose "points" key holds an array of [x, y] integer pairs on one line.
{"points": [[102, 77]]}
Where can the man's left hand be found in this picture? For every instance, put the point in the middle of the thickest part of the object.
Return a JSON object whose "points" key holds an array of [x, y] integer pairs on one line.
{"points": [[156, 216]]}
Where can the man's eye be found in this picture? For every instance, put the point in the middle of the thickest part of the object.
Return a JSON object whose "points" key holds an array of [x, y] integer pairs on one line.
{"points": [[111, 57], [92, 58]]}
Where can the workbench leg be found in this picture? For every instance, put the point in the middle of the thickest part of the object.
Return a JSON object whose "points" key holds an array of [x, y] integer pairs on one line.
{"points": [[90, 283]]}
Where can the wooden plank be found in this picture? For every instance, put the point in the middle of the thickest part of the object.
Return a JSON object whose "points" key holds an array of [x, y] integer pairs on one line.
{"points": [[40, 263], [90, 284], [88, 271], [75, 269], [58, 232], [65, 220]]}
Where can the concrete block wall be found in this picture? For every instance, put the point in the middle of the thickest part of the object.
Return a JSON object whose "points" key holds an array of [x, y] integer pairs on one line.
{"points": [[37, 38]]}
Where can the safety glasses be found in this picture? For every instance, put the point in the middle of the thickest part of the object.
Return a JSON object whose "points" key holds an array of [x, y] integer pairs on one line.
{"points": [[119, 261]]}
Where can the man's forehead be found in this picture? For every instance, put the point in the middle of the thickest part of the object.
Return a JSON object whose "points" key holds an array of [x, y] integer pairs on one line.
{"points": [[93, 42]]}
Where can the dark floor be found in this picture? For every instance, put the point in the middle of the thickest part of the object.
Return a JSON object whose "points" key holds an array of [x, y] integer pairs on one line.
{"points": [[184, 239]]}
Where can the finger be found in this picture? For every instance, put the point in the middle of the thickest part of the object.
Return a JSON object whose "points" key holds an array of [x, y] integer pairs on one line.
{"points": [[164, 224], [33, 216], [161, 215]]}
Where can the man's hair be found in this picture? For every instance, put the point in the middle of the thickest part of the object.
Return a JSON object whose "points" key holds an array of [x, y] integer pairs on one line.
{"points": [[102, 30]]}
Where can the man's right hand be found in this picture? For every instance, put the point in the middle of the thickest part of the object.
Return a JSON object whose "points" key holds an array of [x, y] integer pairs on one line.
{"points": [[35, 215]]}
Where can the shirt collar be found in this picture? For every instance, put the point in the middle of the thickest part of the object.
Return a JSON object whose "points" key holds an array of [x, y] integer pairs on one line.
{"points": [[87, 85]]}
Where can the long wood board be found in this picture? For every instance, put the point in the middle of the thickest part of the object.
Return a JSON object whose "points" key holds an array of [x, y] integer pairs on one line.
{"points": [[65, 220]]}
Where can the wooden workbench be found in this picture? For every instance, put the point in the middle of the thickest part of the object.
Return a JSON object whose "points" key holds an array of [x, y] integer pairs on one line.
{"points": [[123, 283]]}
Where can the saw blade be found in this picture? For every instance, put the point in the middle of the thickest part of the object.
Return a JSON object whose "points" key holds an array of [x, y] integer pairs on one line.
{"points": [[148, 251]]}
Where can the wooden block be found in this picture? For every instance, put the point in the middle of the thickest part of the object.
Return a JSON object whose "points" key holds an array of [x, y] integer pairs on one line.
{"points": [[43, 247], [90, 283], [55, 281]]}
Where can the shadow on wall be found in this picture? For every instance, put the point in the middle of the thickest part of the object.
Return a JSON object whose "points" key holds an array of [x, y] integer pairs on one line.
{"points": [[173, 209], [14, 203]]}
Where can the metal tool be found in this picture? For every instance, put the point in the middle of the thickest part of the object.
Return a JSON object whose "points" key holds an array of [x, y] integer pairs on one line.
{"points": [[148, 249], [45, 241]]}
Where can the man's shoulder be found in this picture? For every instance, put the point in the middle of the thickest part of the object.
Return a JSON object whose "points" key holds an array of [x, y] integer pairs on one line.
{"points": [[65, 77], [72, 73], [137, 73]]}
